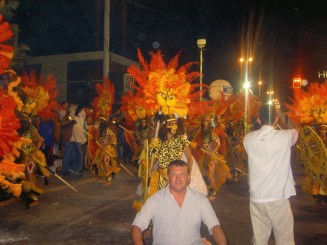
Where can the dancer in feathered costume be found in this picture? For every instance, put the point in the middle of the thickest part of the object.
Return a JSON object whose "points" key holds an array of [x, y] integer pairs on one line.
{"points": [[211, 163], [38, 100], [167, 90], [136, 114], [102, 140], [309, 109], [132, 106]]}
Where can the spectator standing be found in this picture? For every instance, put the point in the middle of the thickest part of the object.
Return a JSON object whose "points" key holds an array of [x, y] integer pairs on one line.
{"points": [[73, 157], [271, 179]]}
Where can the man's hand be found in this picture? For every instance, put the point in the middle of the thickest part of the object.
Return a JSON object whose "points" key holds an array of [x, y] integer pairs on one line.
{"points": [[193, 144], [154, 143]]}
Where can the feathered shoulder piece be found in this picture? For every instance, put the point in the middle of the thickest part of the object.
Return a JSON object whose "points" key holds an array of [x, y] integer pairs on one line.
{"points": [[102, 103]]}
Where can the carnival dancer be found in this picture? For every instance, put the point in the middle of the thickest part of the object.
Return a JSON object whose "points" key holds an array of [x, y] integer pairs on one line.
{"points": [[164, 89], [31, 156], [212, 164], [105, 157], [309, 109], [207, 139], [171, 145], [142, 133]]}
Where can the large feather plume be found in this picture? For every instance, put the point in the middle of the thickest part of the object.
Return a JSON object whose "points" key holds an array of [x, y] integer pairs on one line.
{"points": [[156, 76], [102, 104], [9, 123], [6, 51]]}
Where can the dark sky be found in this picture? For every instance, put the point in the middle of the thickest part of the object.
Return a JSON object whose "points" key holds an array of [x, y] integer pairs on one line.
{"points": [[285, 37]]}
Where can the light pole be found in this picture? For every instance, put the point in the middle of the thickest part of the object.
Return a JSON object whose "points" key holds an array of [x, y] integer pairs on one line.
{"points": [[260, 88], [270, 94], [247, 62], [247, 67], [201, 43]]}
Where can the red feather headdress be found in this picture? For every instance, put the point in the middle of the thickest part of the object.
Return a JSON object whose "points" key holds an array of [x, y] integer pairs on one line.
{"points": [[309, 106], [102, 104], [43, 94]]}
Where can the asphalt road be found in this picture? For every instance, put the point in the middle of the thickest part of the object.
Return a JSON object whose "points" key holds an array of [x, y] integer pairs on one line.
{"points": [[101, 213]]}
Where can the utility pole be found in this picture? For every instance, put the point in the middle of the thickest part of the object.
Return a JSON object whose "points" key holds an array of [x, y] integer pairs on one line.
{"points": [[106, 38]]}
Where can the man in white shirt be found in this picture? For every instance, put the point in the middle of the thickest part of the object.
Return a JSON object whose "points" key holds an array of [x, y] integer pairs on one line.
{"points": [[271, 179], [177, 212], [73, 157]]}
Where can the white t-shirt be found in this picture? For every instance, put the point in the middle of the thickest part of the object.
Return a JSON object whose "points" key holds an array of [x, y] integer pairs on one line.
{"points": [[78, 133]]}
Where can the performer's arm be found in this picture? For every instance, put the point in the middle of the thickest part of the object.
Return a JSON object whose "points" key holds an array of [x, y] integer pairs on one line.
{"points": [[217, 145]]}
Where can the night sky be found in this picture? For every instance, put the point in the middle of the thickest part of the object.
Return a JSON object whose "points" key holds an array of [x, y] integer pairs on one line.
{"points": [[286, 38]]}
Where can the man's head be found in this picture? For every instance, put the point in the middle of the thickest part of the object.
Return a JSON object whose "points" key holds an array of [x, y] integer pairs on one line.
{"points": [[267, 115], [179, 175]]}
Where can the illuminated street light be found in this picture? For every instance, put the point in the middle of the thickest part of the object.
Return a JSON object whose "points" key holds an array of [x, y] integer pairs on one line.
{"points": [[297, 82], [246, 85], [270, 94], [242, 59], [201, 44], [260, 88]]}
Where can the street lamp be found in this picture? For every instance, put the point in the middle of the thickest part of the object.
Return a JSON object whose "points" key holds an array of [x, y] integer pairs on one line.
{"points": [[247, 67], [270, 93], [201, 43], [260, 87]]}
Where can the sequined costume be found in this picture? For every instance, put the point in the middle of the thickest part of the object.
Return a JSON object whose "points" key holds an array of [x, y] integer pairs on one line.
{"points": [[105, 160]]}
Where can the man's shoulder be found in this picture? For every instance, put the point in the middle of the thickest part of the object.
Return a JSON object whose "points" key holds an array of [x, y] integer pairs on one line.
{"points": [[159, 194], [251, 134], [195, 194]]}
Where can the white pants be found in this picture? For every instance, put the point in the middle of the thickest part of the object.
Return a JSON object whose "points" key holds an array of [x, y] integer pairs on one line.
{"points": [[276, 216]]}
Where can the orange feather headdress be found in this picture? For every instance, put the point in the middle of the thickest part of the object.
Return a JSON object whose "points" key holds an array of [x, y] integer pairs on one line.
{"points": [[41, 95], [133, 106], [102, 104], [158, 79], [309, 106]]}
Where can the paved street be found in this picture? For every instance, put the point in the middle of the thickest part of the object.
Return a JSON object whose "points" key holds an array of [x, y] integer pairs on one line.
{"points": [[101, 213]]}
